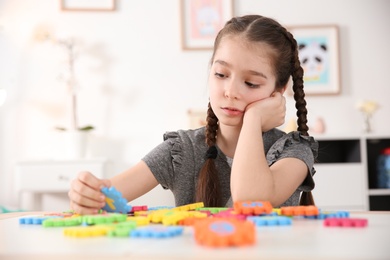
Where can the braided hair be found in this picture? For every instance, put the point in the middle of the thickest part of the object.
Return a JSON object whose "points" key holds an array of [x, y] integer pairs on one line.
{"points": [[285, 62]]}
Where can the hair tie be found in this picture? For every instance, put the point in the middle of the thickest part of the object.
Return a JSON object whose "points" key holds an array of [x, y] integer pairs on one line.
{"points": [[212, 152]]}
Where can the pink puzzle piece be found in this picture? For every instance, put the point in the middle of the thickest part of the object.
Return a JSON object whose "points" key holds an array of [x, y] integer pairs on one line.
{"points": [[345, 222]]}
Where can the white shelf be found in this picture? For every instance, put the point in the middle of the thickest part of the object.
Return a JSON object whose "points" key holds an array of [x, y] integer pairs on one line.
{"points": [[379, 192], [346, 178]]}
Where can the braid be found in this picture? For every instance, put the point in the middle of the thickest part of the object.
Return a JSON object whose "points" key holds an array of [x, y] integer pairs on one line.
{"points": [[208, 189], [300, 104], [299, 94], [211, 127]]}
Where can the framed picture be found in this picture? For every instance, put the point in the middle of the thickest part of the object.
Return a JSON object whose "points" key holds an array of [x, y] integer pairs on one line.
{"points": [[87, 5], [201, 21], [319, 57]]}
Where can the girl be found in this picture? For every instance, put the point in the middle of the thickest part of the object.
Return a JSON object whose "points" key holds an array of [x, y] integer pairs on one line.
{"points": [[239, 154]]}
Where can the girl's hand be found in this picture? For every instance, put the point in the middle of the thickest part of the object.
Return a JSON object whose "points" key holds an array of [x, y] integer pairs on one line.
{"points": [[85, 193], [269, 111]]}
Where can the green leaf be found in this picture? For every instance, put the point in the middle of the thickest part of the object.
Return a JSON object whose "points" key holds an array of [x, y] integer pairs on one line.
{"points": [[86, 128]]}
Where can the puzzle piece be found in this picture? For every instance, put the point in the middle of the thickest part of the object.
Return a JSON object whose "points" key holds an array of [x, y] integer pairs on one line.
{"points": [[173, 217], [212, 210], [139, 220], [299, 211], [188, 207], [218, 232], [62, 222], [345, 222], [252, 207], [104, 218], [61, 214], [114, 201], [122, 229], [270, 220], [159, 207], [90, 231], [157, 231], [330, 214], [230, 214], [139, 208], [158, 215], [33, 220]]}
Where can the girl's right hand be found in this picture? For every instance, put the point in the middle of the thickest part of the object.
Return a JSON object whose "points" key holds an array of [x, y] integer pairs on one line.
{"points": [[271, 111], [85, 193]]}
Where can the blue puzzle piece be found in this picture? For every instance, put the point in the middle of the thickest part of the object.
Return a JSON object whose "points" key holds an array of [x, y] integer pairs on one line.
{"points": [[157, 231], [114, 201], [34, 220], [159, 207], [330, 214], [270, 220]]}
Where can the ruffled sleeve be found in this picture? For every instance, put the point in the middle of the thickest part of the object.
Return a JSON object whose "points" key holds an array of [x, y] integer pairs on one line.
{"points": [[164, 159], [173, 140], [297, 146]]}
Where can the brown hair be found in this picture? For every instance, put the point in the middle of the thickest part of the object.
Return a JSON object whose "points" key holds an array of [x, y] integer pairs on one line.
{"points": [[286, 64]]}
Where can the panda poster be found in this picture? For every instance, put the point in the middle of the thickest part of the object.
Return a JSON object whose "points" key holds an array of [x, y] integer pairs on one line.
{"points": [[319, 57]]}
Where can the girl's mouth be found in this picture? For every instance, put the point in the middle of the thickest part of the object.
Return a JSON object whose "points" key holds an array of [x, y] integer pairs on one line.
{"points": [[232, 111]]}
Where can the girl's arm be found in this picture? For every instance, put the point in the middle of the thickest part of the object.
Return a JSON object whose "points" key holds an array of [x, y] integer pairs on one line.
{"points": [[135, 181], [85, 194], [251, 177]]}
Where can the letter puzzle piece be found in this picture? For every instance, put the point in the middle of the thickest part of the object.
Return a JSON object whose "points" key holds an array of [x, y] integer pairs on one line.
{"points": [[188, 207], [212, 210], [219, 232], [345, 222], [330, 214], [90, 231], [122, 229], [104, 218], [62, 222], [270, 220], [157, 231], [230, 214], [299, 211], [114, 201], [252, 207], [34, 220]]}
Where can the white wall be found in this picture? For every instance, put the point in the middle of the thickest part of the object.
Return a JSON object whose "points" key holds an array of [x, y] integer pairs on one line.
{"points": [[136, 82]]}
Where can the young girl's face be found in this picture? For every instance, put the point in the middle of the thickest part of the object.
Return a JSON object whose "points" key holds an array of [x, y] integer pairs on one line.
{"points": [[240, 74]]}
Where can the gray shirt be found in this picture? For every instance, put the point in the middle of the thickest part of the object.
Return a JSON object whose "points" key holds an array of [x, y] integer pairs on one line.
{"points": [[176, 162]]}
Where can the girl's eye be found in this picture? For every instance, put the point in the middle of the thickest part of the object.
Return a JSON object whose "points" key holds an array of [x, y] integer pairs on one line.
{"points": [[219, 75], [251, 85]]}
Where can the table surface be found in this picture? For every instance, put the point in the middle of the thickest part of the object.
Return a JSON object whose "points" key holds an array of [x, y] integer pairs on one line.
{"points": [[304, 239]]}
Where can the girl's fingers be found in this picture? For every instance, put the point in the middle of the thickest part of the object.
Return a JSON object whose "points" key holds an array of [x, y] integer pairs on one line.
{"points": [[85, 193], [89, 179], [84, 201], [82, 210]]}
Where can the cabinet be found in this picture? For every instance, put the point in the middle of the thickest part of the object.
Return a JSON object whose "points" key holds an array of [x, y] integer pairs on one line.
{"points": [[346, 176], [379, 199], [37, 182]]}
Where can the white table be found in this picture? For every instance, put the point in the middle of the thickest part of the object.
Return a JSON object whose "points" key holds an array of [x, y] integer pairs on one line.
{"points": [[304, 239]]}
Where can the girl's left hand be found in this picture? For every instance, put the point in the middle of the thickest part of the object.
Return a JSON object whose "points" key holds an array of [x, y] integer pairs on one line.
{"points": [[270, 111]]}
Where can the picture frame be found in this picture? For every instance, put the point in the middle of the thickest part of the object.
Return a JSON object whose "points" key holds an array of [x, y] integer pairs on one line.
{"points": [[88, 5], [319, 57], [201, 20]]}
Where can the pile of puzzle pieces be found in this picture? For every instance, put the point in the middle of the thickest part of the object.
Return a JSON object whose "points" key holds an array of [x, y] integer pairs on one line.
{"points": [[214, 227]]}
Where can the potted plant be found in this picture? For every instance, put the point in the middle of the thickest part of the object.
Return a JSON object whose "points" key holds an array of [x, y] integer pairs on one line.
{"points": [[75, 137]]}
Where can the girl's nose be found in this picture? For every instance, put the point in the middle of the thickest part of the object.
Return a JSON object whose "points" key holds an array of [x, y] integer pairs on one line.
{"points": [[231, 90]]}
